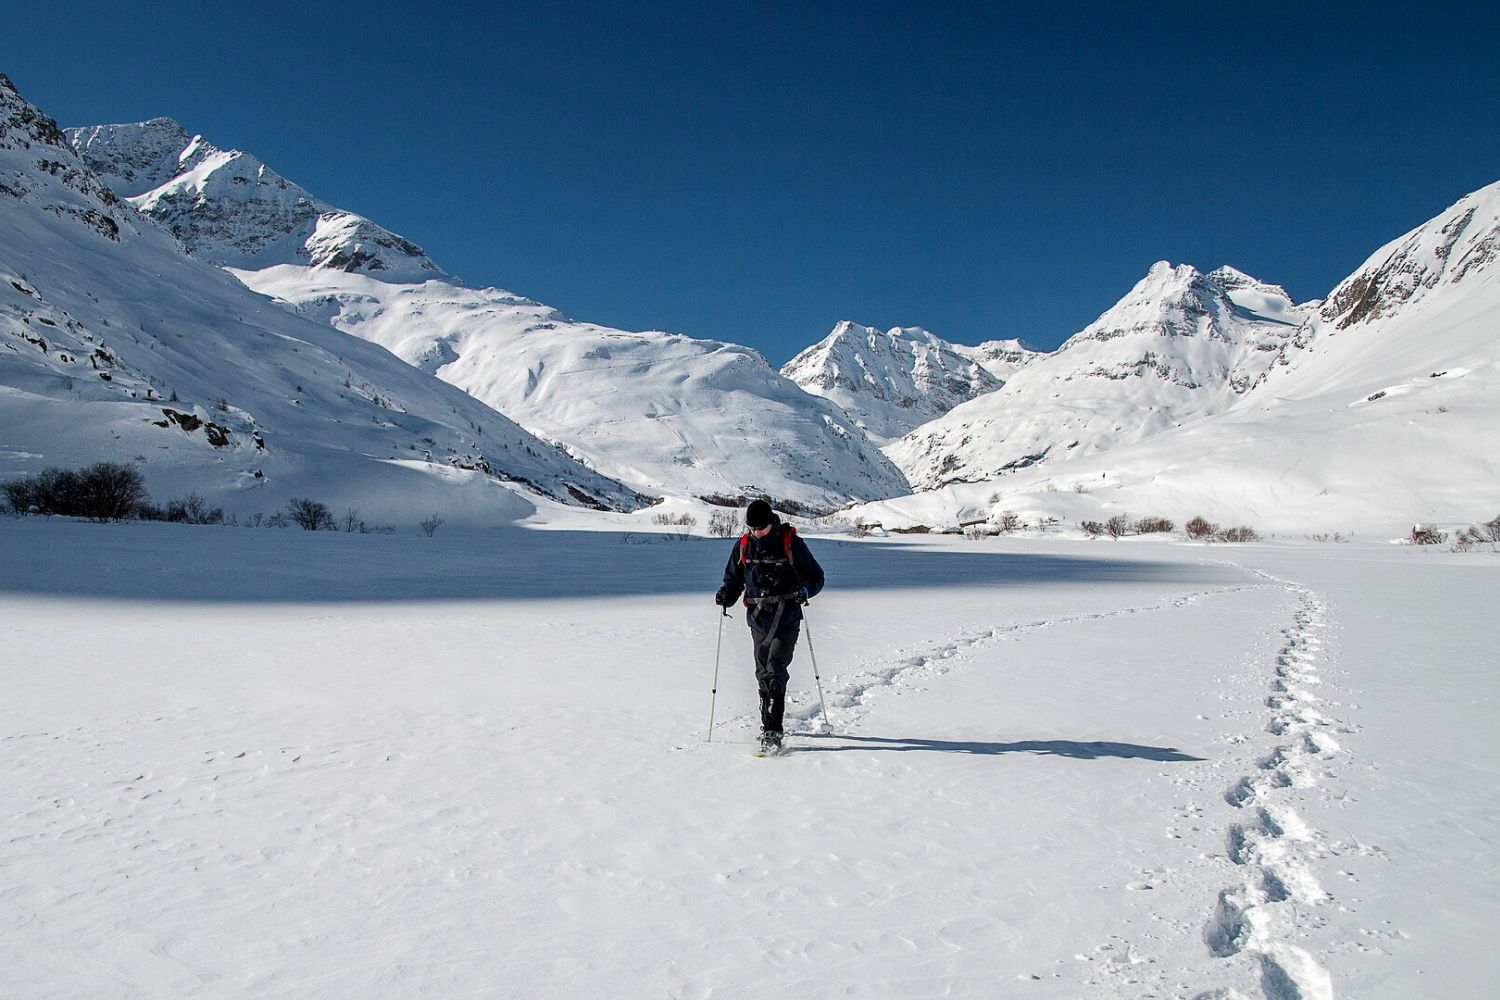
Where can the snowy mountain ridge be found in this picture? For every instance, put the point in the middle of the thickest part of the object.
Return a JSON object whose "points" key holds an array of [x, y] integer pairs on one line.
{"points": [[115, 346], [1180, 345], [1376, 411], [663, 412], [229, 208], [895, 380]]}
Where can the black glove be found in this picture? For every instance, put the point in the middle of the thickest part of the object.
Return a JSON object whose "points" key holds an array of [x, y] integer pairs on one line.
{"points": [[723, 598]]}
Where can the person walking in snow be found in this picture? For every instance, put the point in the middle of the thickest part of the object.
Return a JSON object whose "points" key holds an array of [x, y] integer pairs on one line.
{"points": [[777, 573]]}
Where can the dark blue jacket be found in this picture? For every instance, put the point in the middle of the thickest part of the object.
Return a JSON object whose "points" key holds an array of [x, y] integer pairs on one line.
{"points": [[765, 572]]}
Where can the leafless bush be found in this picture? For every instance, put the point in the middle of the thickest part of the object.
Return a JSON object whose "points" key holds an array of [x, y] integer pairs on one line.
{"points": [[430, 525], [1200, 528], [1153, 526], [1118, 526], [1008, 521], [1425, 534], [723, 524], [1242, 533], [192, 509], [311, 515], [683, 520], [1092, 528]]}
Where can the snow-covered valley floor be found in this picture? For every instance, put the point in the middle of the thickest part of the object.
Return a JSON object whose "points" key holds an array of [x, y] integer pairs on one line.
{"points": [[279, 764]]}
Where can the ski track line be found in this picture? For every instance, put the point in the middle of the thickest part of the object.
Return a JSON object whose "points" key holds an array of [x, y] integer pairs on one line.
{"points": [[848, 696], [1270, 843]]}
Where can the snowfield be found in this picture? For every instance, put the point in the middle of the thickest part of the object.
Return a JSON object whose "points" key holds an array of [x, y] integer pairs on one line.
{"points": [[273, 763]]}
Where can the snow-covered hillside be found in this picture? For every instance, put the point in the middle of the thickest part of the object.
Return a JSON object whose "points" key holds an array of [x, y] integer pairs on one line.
{"points": [[1380, 410], [1179, 346], [662, 412], [892, 381], [116, 346]]}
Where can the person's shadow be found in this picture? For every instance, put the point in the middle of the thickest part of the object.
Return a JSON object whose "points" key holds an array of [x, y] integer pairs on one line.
{"points": [[1094, 750]]}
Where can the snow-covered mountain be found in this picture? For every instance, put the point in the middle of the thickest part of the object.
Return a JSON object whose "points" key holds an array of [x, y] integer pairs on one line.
{"points": [[229, 208], [1179, 346], [893, 381], [1377, 411], [114, 345], [662, 412]]}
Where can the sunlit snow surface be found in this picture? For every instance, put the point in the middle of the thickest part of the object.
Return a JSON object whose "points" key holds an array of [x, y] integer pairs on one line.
{"points": [[256, 762]]}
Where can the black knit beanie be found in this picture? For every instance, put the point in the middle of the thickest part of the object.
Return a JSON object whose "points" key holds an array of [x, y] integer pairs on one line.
{"points": [[759, 514]]}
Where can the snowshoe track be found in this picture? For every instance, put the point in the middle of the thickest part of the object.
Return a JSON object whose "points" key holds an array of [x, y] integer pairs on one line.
{"points": [[1269, 841], [849, 696]]}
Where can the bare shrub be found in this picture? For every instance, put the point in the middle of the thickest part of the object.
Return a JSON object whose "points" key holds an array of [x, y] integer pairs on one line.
{"points": [[351, 521], [1153, 526], [1200, 528], [192, 509], [20, 495], [1242, 533], [1424, 534], [1092, 528], [1008, 521], [110, 491], [683, 520], [1118, 526], [430, 525], [723, 524], [311, 515]]}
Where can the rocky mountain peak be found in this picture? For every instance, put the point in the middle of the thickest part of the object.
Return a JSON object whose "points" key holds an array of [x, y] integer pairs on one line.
{"points": [[227, 207], [890, 381]]}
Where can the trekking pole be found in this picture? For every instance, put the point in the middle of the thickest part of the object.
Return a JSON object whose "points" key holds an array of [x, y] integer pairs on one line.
{"points": [[714, 699], [827, 726]]}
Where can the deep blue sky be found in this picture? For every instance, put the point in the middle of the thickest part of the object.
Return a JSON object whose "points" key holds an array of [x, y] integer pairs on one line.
{"points": [[756, 172]]}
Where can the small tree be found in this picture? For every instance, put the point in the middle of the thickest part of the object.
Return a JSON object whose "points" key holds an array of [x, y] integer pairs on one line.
{"points": [[1118, 526], [722, 524], [1153, 526], [311, 515], [430, 525], [1092, 528], [1008, 521], [1242, 533], [110, 491]]}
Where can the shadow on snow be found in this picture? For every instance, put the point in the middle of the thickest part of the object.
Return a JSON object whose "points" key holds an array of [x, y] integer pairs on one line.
{"points": [[1094, 750], [186, 563]]}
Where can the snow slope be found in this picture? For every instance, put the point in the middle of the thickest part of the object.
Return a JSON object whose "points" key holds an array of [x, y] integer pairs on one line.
{"points": [[1180, 345], [115, 346], [1377, 413], [662, 412], [892, 381], [326, 765]]}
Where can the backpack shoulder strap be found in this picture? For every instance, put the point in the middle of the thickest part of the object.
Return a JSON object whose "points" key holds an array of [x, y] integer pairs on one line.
{"points": [[744, 548], [787, 537]]}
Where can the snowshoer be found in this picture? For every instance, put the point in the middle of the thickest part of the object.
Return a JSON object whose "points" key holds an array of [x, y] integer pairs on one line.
{"points": [[777, 573]]}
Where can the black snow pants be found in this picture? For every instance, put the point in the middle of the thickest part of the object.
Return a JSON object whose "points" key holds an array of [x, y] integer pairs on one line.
{"points": [[773, 654]]}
